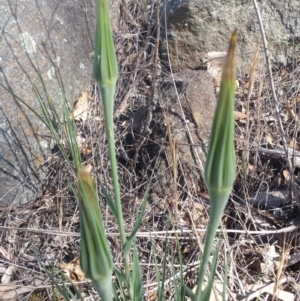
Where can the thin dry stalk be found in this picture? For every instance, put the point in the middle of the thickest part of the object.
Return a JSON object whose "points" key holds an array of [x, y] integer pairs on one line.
{"points": [[155, 234], [275, 101], [258, 114], [250, 90], [174, 153], [199, 162], [282, 266], [264, 289], [150, 100]]}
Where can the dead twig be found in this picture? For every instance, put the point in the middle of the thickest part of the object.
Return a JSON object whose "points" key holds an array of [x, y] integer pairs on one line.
{"points": [[275, 101]]}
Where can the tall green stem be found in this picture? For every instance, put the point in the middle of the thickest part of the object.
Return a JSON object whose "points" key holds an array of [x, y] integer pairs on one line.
{"points": [[108, 95], [106, 74], [104, 288], [214, 221], [220, 167]]}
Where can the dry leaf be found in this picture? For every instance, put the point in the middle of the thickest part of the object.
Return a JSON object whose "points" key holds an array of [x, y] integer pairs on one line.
{"points": [[73, 270], [12, 293], [8, 274], [290, 260], [287, 176], [292, 143], [186, 249], [269, 289], [267, 267], [217, 83], [39, 160], [86, 150], [196, 215], [252, 167], [89, 168], [80, 112], [290, 111], [205, 196], [294, 100], [6, 254], [217, 292], [269, 138], [83, 149], [246, 85], [153, 295], [79, 141], [98, 118], [214, 62], [239, 115], [284, 72]]}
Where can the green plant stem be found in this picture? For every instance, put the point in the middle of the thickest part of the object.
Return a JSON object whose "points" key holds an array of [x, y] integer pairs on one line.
{"points": [[107, 93], [104, 288], [214, 221]]}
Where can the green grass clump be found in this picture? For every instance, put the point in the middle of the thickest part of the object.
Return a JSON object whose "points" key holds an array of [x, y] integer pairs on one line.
{"points": [[220, 168], [95, 255]]}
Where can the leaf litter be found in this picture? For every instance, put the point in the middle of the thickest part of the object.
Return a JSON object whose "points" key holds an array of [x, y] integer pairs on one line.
{"points": [[253, 225]]}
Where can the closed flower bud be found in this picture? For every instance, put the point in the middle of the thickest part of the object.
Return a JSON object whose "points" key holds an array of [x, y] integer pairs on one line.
{"points": [[220, 168], [95, 255], [105, 61]]}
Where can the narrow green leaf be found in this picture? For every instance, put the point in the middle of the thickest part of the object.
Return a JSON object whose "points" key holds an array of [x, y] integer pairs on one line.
{"points": [[131, 238], [121, 276], [109, 201], [123, 284], [136, 284], [209, 287], [180, 293]]}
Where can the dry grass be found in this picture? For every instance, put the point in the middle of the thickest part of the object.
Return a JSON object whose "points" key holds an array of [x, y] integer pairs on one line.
{"points": [[44, 234]]}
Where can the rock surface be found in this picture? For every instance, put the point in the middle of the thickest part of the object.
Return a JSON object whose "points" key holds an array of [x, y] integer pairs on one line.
{"points": [[53, 39], [195, 28], [195, 99]]}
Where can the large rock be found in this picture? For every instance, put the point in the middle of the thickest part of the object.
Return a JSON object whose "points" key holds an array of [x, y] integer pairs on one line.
{"points": [[195, 99], [197, 27], [52, 39]]}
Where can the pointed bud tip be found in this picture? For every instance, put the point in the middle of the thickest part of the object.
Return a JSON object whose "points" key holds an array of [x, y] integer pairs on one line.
{"points": [[85, 176], [232, 44]]}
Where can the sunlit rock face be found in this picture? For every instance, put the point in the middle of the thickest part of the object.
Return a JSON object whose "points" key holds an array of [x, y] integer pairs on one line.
{"points": [[197, 27], [48, 40]]}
